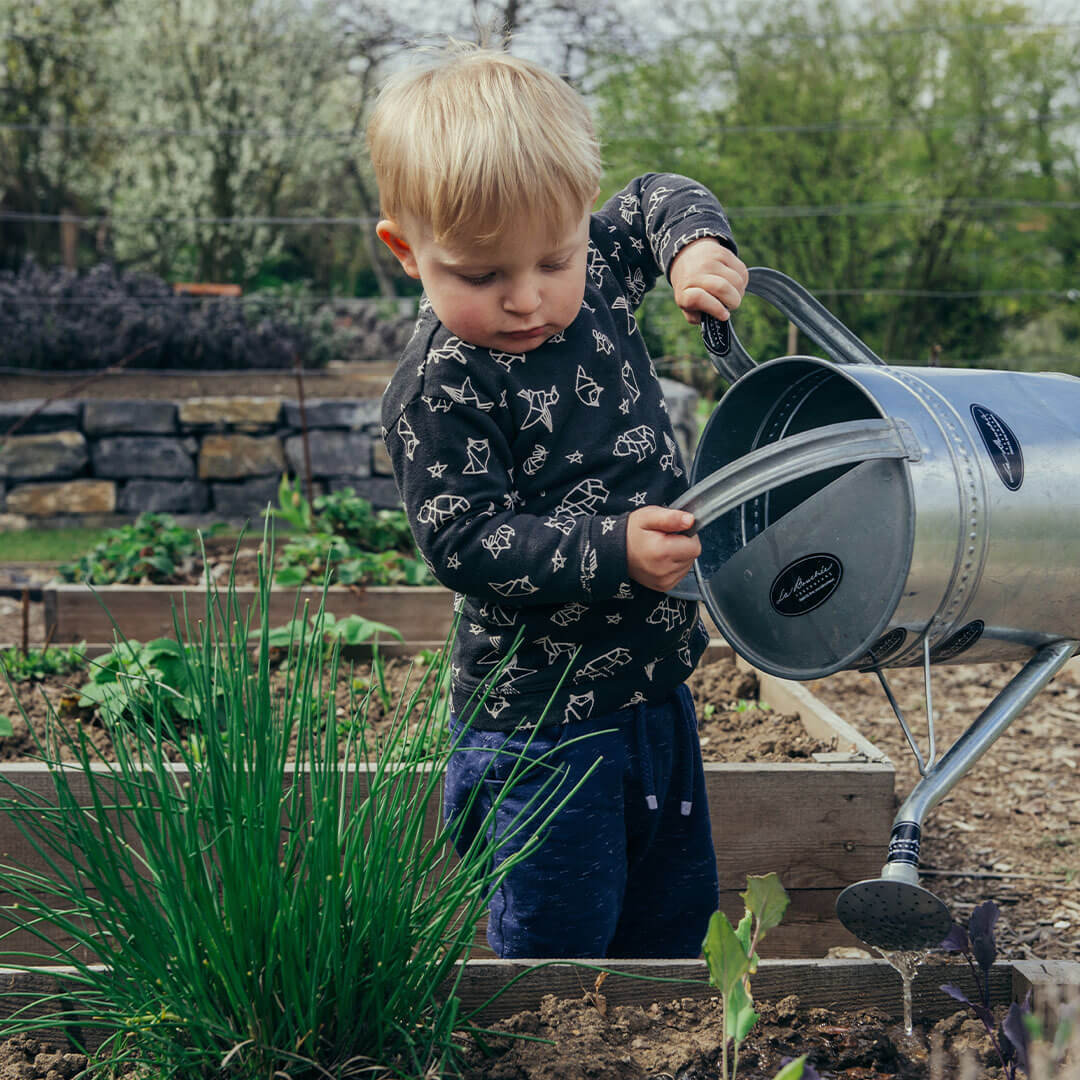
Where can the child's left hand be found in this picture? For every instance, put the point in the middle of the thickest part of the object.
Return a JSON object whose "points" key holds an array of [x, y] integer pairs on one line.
{"points": [[708, 278]]}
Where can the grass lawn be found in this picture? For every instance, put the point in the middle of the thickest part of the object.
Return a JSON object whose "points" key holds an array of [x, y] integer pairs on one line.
{"points": [[47, 545]]}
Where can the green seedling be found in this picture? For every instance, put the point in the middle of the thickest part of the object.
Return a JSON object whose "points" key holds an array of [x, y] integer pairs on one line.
{"points": [[35, 664], [6, 726], [745, 705], [731, 955]]}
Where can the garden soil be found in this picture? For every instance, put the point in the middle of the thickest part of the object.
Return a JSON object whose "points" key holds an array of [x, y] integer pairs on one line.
{"points": [[734, 724], [585, 1039]]}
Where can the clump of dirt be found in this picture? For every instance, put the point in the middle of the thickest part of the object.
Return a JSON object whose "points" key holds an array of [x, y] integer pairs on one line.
{"points": [[26, 1058]]}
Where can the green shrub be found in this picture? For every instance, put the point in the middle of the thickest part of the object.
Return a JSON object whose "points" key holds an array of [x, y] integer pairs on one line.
{"points": [[256, 920]]}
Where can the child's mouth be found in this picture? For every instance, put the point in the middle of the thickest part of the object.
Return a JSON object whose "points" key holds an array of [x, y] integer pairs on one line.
{"points": [[527, 335]]}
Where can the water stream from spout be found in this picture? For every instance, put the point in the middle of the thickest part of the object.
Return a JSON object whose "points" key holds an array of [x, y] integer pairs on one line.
{"points": [[906, 964]]}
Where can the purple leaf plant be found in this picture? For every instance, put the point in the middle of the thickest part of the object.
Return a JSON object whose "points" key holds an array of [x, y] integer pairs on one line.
{"points": [[976, 944]]}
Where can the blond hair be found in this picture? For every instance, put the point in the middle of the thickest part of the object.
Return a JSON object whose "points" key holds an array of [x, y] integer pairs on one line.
{"points": [[469, 143]]}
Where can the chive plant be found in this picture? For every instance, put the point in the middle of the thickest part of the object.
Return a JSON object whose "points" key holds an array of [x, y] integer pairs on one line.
{"points": [[238, 913]]}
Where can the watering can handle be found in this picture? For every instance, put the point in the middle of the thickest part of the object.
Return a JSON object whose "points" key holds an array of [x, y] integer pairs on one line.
{"points": [[793, 457], [789, 298]]}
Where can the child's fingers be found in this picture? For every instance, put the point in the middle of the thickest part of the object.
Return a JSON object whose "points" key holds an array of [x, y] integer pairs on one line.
{"points": [[697, 301], [663, 519]]}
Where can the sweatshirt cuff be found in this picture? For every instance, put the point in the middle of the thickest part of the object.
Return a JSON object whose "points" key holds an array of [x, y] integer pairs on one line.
{"points": [[604, 567], [713, 230]]}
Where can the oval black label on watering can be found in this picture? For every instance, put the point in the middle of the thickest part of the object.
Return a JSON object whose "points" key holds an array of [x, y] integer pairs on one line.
{"points": [[884, 646], [1001, 444], [805, 584], [963, 639]]}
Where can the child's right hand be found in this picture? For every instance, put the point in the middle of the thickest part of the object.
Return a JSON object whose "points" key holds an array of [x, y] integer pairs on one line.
{"points": [[659, 554]]}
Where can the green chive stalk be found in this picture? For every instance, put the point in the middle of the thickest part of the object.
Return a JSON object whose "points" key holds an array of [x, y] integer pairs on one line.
{"points": [[243, 914]]}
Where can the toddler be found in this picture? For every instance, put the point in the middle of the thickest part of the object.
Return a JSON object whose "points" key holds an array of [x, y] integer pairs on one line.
{"points": [[534, 456]]}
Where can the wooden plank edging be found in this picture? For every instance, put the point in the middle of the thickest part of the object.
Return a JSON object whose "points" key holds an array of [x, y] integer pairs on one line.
{"points": [[77, 612], [822, 983], [826, 984]]}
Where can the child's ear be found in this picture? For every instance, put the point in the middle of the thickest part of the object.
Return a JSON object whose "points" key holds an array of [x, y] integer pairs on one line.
{"points": [[389, 232]]}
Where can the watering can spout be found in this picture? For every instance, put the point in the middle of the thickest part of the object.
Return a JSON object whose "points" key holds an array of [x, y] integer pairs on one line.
{"points": [[894, 911]]}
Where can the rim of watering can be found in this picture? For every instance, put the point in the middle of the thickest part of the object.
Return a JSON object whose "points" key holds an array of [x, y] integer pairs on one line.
{"points": [[861, 653]]}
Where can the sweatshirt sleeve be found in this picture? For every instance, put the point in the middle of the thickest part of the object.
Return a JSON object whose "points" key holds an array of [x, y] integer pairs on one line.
{"points": [[643, 227], [454, 469]]}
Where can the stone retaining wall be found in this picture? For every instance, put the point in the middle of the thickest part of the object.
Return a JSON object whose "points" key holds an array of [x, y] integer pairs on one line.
{"points": [[211, 457]]}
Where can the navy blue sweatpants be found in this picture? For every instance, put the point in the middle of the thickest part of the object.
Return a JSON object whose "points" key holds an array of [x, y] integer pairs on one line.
{"points": [[627, 867]]}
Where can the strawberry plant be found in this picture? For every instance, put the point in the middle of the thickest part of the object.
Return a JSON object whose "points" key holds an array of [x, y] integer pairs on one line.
{"points": [[351, 630], [153, 548], [340, 534], [35, 664], [127, 682]]}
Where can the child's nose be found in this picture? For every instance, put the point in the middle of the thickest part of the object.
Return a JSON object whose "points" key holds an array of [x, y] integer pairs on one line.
{"points": [[522, 297]]}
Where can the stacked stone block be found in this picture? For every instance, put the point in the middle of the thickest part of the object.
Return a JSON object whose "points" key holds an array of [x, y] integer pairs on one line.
{"points": [[212, 456], [220, 456]]}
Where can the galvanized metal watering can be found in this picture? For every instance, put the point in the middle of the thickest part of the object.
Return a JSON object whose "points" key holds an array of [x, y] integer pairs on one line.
{"points": [[853, 514]]}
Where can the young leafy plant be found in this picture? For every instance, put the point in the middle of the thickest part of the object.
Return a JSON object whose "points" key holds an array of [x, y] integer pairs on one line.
{"points": [[35, 664], [152, 548], [976, 944], [731, 956], [130, 680], [342, 533], [350, 630]]}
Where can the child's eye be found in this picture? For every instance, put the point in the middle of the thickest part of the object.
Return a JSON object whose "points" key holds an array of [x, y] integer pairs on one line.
{"points": [[555, 267], [481, 279]]}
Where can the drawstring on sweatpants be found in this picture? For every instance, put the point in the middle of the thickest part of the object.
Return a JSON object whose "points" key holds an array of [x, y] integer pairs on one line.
{"points": [[646, 758], [683, 758], [686, 759]]}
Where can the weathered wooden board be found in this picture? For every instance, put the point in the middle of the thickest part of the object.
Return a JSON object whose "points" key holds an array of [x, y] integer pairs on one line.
{"points": [[421, 614], [485, 991], [809, 929], [817, 826], [823, 983]]}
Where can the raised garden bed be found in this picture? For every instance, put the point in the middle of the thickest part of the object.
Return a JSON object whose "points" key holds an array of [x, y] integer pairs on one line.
{"points": [[820, 821], [846, 1013]]}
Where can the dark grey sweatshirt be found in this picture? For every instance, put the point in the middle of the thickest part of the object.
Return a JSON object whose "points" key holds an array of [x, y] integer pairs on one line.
{"points": [[518, 473]]}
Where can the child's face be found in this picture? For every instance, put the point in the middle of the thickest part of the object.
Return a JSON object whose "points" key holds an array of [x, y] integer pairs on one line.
{"points": [[509, 296]]}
